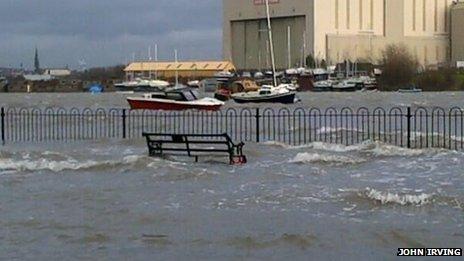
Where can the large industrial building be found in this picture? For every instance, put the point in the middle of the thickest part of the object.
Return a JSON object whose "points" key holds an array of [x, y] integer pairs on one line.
{"points": [[457, 35], [335, 30]]}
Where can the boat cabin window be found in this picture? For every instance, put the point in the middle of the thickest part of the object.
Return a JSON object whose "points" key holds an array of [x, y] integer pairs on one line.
{"points": [[189, 96], [263, 92], [321, 77], [196, 94], [176, 96], [158, 96]]}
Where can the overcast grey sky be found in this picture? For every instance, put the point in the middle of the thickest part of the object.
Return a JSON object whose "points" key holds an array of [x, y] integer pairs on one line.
{"points": [[107, 32]]}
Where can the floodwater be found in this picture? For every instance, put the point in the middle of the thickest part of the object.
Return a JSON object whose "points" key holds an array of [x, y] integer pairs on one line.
{"points": [[319, 100], [106, 200]]}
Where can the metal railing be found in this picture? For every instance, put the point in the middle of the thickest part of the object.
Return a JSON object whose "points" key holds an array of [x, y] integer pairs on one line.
{"points": [[405, 127]]}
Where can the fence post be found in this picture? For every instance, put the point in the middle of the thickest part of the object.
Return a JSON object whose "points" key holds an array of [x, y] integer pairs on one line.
{"points": [[257, 116], [2, 115], [124, 123], [409, 116]]}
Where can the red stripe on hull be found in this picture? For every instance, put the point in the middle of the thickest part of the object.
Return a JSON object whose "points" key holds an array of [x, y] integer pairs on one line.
{"points": [[148, 105]]}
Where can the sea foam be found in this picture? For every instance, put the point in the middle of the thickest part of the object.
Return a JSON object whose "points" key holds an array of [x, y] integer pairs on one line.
{"points": [[323, 158], [28, 164], [393, 198], [375, 148]]}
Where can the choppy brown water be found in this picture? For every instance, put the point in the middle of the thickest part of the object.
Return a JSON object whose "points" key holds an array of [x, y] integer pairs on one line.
{"points": [[107, 200]]}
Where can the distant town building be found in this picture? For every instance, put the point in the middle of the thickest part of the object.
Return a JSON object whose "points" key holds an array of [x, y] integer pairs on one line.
{"points": [[57, 72], [457, 34], [335, 30], [191, 69], [37, 77]]}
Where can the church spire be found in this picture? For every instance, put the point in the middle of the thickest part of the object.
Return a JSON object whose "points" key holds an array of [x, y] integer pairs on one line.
{"points": [[36, 61]]}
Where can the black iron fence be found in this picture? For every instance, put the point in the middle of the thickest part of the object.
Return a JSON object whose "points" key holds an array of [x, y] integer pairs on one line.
{"points": [[405, 127]]}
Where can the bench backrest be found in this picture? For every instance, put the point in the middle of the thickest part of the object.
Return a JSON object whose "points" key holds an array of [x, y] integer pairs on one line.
{"points": [[189, 138]]}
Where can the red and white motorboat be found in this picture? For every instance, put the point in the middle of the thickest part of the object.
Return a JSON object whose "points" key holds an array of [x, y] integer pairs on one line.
{"points": [[174, 100]]}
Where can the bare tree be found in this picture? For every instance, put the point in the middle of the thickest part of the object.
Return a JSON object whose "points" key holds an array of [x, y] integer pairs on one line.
{"points": [[399, 67]]}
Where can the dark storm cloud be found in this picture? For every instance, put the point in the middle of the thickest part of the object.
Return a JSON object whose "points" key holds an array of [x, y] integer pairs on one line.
{"points": [[103, 32]]}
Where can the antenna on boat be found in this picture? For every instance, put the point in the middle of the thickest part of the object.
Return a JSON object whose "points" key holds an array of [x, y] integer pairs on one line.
{"points": [[274, 77], [177, 71]]}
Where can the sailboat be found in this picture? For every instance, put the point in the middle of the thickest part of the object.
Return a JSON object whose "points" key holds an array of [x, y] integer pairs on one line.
{"points": [[282, 93]]}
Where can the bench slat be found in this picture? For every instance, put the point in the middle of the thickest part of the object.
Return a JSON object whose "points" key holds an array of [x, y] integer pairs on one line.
{"points": [[190, 142], [195, 150]]}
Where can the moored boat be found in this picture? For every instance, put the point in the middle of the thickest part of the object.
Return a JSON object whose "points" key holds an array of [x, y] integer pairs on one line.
{"points": [[194, 84], [222, 94], [323, 86], [225, 90], [345, 86], [267, 94], [141, 85], [174, 100], [369, 83]]}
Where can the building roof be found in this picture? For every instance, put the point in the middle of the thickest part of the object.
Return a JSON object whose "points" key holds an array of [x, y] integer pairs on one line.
{"points": [[37, 77], [181, 66]]}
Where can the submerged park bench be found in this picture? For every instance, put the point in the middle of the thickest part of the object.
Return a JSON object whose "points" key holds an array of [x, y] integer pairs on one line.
{"points": [[195, 145]]}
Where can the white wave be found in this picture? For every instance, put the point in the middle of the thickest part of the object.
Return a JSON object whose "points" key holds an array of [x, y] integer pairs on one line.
{"points": [[381, 149], [340, 147], [283, 145], [44, 164], [320, 146], [323, 158], [27, 164], [330, 130], [392, 198], [375, 148], [439, 137]]}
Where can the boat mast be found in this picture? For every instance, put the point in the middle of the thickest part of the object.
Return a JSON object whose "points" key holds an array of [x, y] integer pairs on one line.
{"points": [[271, 45], [177, 72], [304, 49], [289, 47], [156, 60], [149, 59]]}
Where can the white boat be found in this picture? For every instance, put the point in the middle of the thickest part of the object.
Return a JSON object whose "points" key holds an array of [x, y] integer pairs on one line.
{"points": [[369, 82], [141, 85], [175, 99], [266, 94], [320, 74], [323, 86], [259, 75], [345, 86], [292, 71], [223, 76], [194, 84], [289, 86]]}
